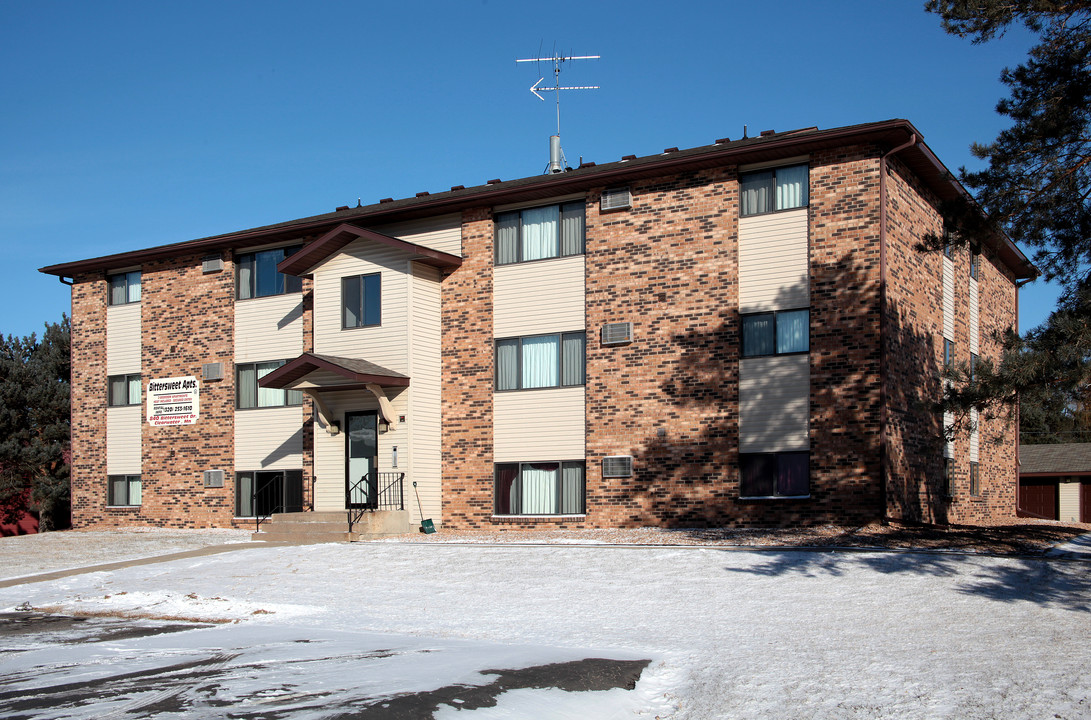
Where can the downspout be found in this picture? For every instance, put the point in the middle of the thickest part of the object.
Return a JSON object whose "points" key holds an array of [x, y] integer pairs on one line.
{"points": [[66, 282], [883, 412]]}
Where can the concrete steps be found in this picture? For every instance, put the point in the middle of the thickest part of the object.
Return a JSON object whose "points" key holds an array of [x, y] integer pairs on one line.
{"points": [[324, 527]]}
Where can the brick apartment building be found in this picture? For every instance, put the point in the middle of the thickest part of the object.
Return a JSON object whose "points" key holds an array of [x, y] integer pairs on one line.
{"points": [[734, 334]]}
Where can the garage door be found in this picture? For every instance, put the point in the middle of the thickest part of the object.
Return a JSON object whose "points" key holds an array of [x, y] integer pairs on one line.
{"points": [[1038, 497]]}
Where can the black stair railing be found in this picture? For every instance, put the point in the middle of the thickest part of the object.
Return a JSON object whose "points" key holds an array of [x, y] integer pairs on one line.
{"points": [[375, 491], [279, 493]]}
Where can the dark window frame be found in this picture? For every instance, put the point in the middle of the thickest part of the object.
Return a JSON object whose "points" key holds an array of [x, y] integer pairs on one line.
{"points": [[519, 361], [498, 496], [288, 284], [364, 309], [285, 393], [775, 457], [975, 478], [975, 262], [127, 278], [775, 313], [772, 172], [110, 399], [560, 230], [111, 495], [948, 354], [973, 367]]}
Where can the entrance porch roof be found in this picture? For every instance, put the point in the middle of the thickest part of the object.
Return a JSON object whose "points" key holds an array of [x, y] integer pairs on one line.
{"points": [[356, 373]]}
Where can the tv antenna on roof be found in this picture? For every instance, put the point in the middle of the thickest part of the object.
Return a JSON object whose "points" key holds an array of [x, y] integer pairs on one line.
{"points": [[556, 155]]}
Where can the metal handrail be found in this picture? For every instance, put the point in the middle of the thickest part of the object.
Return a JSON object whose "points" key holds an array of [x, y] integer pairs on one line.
{"points": [[376, 500], [254, 503]]}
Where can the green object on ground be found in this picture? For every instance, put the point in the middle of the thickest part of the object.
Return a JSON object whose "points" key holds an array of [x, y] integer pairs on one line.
{"points": [[426, 525]]}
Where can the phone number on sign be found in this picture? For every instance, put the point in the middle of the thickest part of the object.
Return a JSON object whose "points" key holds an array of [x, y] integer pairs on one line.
{"points": [[172, 409]]}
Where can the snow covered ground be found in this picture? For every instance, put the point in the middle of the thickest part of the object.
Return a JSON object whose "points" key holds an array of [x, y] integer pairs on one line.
{"points": [[345, 630]]}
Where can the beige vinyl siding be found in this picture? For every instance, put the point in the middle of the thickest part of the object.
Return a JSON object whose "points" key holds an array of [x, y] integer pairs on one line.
{"points": [[443, 233], [773, 262], [424, 419], [329, 450], [975, 435], [269, 438], [385, 344], [948, 299], [975, 319], [269, 328], [774, 403], [123, 428], [123, 339], [538, 425], [1068, 502], [538, 297]]}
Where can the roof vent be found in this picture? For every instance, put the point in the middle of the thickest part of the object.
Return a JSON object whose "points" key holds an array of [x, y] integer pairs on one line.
{"points": [[628, 157], [615, 199], [721, 141], [423, 194], [386, 200], [670, 150], [617, 466], [766, 133], [341, 207], [620, 333], [458, 187]]}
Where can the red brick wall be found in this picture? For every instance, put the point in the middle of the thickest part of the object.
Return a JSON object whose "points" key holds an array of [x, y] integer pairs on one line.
{"points": [[187, 319], [467, 378], [88, 400]]}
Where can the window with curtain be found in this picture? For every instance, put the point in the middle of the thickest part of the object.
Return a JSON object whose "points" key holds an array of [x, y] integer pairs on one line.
{"points": [[123, 390], [123, 490], [361, 301], [767, 191], [251, 395], [541, 361], [783, 332], [124, 288], [539, 488], [784, 474], [540, 233], [257, 274]]}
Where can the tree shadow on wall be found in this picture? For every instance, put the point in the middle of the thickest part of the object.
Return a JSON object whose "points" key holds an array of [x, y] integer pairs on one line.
{"points": [[686, 469]]}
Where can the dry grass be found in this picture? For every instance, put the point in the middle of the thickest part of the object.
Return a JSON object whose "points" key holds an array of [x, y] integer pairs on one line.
{"points": [[1017, 537]]}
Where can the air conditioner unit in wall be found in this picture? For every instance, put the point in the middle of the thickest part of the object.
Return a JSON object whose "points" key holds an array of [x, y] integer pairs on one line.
{"points": [[212, 371], [212, 263], [214, 478], [617, 333], [616, 466], [615, 199]]}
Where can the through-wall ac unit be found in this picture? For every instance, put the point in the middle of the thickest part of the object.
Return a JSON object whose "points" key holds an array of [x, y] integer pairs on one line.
{"points": [[214, 478], [616, 199], [617, 333], [212, 371], [212, 263], [616, 466]]}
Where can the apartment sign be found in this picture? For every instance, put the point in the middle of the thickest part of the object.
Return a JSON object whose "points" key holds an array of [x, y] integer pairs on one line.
{"points": [[173, 401]]}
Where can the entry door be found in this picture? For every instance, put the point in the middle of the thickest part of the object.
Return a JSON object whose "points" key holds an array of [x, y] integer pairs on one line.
{"points": [[361, 459]]}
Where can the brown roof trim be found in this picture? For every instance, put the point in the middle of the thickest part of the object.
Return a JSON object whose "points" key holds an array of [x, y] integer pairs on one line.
{"points": [[1056, 474], [889, 133], [359, 371], [318, 251]]}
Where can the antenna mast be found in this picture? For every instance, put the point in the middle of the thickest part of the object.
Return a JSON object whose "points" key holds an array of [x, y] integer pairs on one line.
{"points": [[556, 155]]}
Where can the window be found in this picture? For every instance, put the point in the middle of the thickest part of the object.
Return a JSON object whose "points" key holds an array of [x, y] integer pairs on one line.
{"points": [[975, 261], [784, 474], [540, 361], [768, 191], [948, 476], [258, 276], [361, 301], [124, 390], [250, 395], [973, 368], [975, 478], [776, 333], [123, 490], [124, 288], [539, 488], [264, 492], [948, 353], [948, 244], [539, 233]]}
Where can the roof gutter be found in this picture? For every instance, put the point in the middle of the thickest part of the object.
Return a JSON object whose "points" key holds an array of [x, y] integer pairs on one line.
{"points": [[883, 410]]}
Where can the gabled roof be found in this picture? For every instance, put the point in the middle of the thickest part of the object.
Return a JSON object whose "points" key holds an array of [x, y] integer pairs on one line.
{"points": [[358, 372], [766, 147], [1058, 459], [314, 253]]}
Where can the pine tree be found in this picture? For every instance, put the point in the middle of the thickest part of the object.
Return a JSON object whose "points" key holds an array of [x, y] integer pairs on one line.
{"points": [[34, 421], [1036, 188]]}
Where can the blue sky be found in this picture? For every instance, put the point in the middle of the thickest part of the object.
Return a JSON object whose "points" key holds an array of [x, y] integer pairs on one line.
{"points": [[132, 124]]}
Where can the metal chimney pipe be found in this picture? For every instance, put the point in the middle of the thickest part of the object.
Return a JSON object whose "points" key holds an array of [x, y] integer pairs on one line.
{"points": [[555, 154]]}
